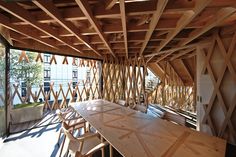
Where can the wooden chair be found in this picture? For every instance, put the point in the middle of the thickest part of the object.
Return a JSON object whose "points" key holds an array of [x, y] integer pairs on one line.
{"points": [[121, 102], [73, 120], [176, 118], [84, 145], [140, 108]]}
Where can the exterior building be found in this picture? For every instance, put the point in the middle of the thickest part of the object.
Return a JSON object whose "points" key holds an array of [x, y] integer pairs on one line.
{"points": [[55, 73]]}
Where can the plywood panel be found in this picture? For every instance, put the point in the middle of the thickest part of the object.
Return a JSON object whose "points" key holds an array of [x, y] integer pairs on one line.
{"points": [[216, 80]]}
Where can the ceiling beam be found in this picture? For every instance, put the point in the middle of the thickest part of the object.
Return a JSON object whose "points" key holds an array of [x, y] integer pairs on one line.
{"points": [[184, 52], [36, 46], [24, 15], [160, 6], [84, 6], [74, 13], [5, 21], [172, 50], [49, 8], [110, 4], [6, 34], [221, 15], [185, 19], [187, 69], [123, 20]]}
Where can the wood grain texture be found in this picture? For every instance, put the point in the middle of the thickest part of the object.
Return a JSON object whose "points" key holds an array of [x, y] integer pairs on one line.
{"points": [[136, 134]]}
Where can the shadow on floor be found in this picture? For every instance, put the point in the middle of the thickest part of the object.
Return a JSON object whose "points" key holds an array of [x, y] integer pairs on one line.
{"points": [[33, 133]]}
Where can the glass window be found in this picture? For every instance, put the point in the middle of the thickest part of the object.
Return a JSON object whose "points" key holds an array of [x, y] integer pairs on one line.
{"points": [[75, 74], [2, 90], [47, 73], [47, 58]]}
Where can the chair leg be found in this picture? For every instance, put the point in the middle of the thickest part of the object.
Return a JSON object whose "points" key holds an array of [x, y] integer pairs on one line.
{"points": [[59, 136], [62, 145]]}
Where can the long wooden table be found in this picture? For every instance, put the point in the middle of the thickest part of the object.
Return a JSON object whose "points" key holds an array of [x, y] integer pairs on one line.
{"points": [[135, 134]]}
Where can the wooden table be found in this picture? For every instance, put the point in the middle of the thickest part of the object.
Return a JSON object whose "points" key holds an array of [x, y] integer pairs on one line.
{"points": [[135, 134]]}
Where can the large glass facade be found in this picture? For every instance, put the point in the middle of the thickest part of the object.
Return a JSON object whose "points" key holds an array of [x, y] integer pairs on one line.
{"points": [[2, 89]]}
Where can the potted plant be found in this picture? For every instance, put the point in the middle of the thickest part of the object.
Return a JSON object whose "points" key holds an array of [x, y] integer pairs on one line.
{"points": [[26, 112]]}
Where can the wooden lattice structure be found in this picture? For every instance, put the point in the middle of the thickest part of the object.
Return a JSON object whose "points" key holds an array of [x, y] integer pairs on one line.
{"points": [[217, 83], [185, 42], [66, 93], [172, 92], [124, 80]]}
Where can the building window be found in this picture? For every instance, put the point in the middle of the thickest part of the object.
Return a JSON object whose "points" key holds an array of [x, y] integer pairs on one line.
{"points": [[47, 73], [88, 76], [47, 88], [74, 74], [23, 89], [47, 58], [74, 84]]}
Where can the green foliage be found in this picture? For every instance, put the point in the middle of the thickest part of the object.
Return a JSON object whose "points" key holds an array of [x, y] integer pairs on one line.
{"points": [[28, 72], [26, 105]]}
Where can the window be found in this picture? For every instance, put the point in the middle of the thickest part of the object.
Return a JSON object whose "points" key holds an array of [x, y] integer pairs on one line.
{"points": [[74, 74], [47, 88], [74, 84], [23, 89], [47, 73], [88, 76], [47, 58]]}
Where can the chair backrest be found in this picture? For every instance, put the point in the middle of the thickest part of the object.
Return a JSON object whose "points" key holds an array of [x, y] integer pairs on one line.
{"points": [[141, 108], [60, 116], [181, 120], [66, 130], [121, 102]]}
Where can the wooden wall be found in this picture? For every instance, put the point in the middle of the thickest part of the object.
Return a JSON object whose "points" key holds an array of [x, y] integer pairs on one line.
{"points": [[216, 87], [172, 91], [124, 79]]}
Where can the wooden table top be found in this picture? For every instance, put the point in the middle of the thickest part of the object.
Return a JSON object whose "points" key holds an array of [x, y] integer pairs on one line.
{"points": [[135, 134]]}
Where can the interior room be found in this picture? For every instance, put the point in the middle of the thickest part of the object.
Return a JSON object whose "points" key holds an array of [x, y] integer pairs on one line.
{"points": [[113, 78]]}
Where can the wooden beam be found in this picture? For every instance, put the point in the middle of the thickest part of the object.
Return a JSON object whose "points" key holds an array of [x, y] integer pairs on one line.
{"points": [[172, 50], [110, 4], [49, 8], [228, 29], [176, 73], [84, 6], [73, 13], [185, 19], [123, 20], [24, 15], [187, 70], [5, 21], [6, 34], [36, 46], [183, 53], [160, 6], [157, 70], [221, 15]]}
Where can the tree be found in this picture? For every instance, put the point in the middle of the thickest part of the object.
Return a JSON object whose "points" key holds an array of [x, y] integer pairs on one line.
{"points": [[25, 70]]}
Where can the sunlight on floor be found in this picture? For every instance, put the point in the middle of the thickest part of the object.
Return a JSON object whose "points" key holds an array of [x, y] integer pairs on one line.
{"points": [[39, 142]]}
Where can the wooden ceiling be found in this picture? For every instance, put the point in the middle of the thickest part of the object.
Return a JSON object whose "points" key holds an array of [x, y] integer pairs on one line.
{"points": [[155, 29]]}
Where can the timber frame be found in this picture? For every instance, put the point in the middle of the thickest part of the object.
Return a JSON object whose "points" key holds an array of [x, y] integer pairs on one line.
{"points": [[157, 30], [170, 37]]}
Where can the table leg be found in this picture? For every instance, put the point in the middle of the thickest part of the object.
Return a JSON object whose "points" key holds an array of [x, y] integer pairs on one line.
{"points": [[111, 150], [103, 151]]}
